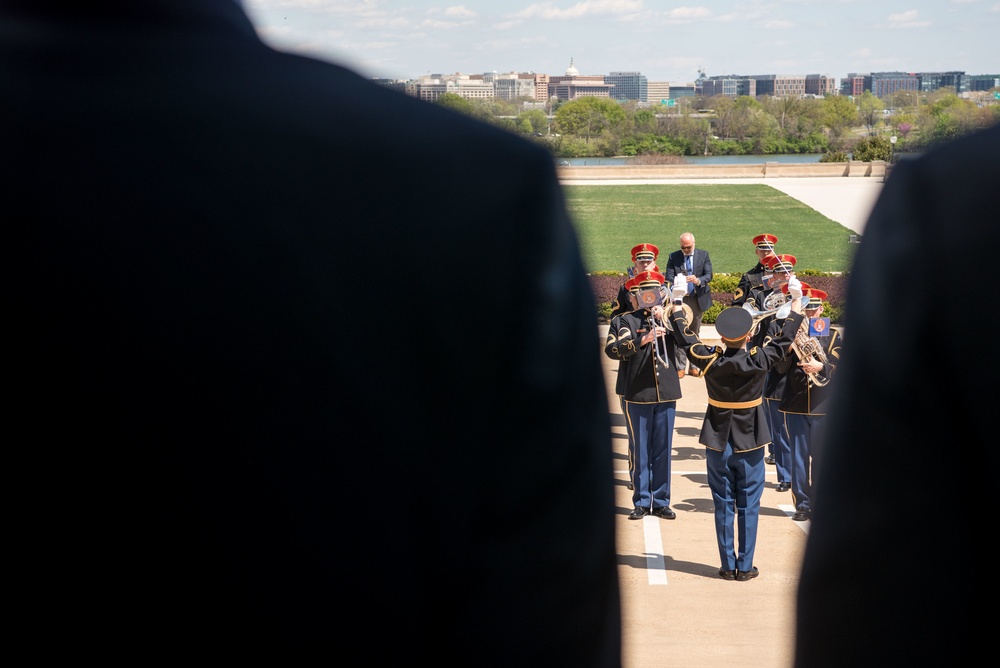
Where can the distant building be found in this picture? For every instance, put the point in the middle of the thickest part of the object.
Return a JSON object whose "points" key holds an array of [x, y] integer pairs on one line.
{"points": [[931, 81], [820, 85], [687, 90], [730, 85], [884, 84], [978, 82], [657, 91], [779, 85], [853, 84], [628, 86], [512, 86], [573, 85], [433, 86], [541, 87]]}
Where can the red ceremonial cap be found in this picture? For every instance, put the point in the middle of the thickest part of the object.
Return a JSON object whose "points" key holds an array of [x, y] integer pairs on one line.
{"points": [[816, 297], [631, 285], [765, 241], [779, 262], [645, 252], [649, 279], [805, 288]]}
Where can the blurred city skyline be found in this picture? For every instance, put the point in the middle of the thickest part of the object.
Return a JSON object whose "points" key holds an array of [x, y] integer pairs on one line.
{"points": [[664, 41]]}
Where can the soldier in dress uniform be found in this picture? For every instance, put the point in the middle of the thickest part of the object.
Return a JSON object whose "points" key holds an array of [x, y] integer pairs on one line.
{"points": [[754, 278], [803, 402], [734, 431], [643, 259], [651, 390], [632, 287], [778, 269], [780, 450]]}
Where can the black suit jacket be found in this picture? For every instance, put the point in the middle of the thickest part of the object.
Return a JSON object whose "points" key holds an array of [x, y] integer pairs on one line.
{"points": [[891, 573], [219, 452], [701, 263]]}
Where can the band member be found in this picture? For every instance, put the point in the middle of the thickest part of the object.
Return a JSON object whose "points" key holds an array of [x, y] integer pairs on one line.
{"points": [[779, 452], [734, 431], [643, 259], [778, 270], [633, 291], [803, 401], [754, 278], [651, 390], [766, 297]]}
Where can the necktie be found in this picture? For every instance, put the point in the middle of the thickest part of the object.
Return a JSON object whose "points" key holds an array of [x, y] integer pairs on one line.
{"points": [[689, 269]]}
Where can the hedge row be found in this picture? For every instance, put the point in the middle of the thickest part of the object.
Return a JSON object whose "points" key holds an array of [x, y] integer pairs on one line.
{"points": [[605, 286]]}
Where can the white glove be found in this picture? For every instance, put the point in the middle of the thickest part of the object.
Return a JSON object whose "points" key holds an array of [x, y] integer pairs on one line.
{"points": [[794, 288], [680, 287]]}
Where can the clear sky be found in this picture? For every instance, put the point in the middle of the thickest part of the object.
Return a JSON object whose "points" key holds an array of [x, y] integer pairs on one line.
{"points": [[665, 41]]}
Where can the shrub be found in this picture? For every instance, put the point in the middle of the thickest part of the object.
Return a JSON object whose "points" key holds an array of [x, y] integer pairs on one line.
{"points": [[834, 156]]}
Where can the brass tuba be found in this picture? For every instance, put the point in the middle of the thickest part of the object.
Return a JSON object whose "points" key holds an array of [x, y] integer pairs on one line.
{"points": [[809, 349], [775, 299]]}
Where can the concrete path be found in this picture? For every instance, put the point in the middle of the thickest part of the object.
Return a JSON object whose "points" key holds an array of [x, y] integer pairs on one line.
{"points": [[676, 610], [845, 200]]}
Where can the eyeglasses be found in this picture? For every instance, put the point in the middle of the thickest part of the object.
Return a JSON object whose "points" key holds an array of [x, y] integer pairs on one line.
{"points": [[687, 247]]}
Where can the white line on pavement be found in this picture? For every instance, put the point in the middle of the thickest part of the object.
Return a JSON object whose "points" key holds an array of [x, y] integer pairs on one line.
{"points": [[656, 567]]}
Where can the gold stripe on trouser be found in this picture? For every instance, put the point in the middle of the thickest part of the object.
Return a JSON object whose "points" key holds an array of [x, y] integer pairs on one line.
{"points": [[735, 404]]}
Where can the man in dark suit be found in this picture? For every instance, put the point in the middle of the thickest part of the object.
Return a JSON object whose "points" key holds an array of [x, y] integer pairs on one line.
{"points": [[215, 451], [696, 266], [898, 567]]}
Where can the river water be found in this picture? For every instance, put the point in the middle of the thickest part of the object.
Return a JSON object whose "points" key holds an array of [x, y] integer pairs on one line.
{"points": [[704, 159]]}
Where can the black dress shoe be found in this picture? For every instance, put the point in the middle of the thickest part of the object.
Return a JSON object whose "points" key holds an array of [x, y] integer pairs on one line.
{"points": [[638, 513], [769, 459], [727, 575], [743, 576], [665, 512], [801, 515], [784, 486]]}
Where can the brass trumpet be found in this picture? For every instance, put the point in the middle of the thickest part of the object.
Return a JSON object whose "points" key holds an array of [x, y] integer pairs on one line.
{"points": [[780, 311]]}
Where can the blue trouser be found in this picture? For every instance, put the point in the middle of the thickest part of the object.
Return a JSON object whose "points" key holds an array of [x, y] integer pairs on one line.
{"points": [[802, 432], [652, 427], [737, 483], [779, 437]]}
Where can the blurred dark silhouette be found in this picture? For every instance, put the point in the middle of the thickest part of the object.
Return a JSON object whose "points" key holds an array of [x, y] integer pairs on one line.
{"points": [[215, 447], [897, 567]]}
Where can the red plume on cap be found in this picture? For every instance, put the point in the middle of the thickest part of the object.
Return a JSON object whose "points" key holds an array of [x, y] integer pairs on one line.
{"points": [[645, 252]]}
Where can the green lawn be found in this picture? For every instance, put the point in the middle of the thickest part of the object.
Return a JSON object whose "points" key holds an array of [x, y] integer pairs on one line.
{"points": [[610, 220]]}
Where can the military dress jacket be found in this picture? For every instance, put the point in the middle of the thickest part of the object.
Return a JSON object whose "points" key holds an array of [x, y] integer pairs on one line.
{"points": [[649, 374], [801, 394], [734, 378], [752, 279], [774, 386], [622, 303]]}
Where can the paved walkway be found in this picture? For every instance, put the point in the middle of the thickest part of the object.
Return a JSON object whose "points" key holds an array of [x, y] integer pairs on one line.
{"points": [[676, 610]]}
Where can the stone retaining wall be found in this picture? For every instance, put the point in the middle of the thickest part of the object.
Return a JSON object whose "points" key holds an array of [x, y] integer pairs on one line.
{"points": [[764, 170]]}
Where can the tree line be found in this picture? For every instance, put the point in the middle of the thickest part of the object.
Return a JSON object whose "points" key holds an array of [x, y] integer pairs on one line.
{"points": [[834, 125]]}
